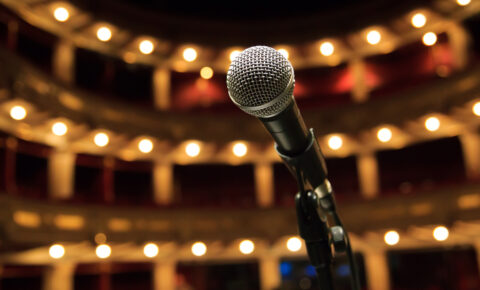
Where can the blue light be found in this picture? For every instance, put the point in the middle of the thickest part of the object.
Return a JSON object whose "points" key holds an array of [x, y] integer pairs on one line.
{"points": [[343, 270], [285, 268], [310, 271]]}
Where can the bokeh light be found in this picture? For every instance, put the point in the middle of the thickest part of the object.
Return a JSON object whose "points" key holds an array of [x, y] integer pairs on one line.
{"points": [[103, 251], [199, 249], [335, 142], [101, 139], [146, 47], [374, 37], [104, 34], [145, 145], [18, 113], [440, 233], [150, 250], [246, 247], [59, 128], [56, 251], [391, 238], [61, 14], [294, 244], [240, 149], [189, 54]]}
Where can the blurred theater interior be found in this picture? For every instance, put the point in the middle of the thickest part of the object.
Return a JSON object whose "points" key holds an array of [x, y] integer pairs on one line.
{"points": [[125, 165]]}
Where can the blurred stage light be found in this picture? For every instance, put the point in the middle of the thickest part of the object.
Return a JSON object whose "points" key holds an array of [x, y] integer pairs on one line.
{"points": [[384, 135], [419, 20], [101, 139], [440, 233], [103, 251], [150, 250], [234, 54], [429, 38], [199, 249], [192, 149], [145, 145], [189, 54], [284, 52], [104, 34], [335, 142], [374, 37], [463, 2], [100, 238], [327, 48], [432, 124], [294, 244], [391, 238], [206, 72], [59, 128], [476, 109], [129, 57], [246, 247], [56, 251], [18, 113], [146, 47], [61, 14], [239, 149]]}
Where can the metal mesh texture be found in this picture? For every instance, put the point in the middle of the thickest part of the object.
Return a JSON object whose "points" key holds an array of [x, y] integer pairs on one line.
{"points": [[260, 81]]}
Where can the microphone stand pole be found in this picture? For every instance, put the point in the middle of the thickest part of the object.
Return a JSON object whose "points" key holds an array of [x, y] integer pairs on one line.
{"points": [[313, 207]]}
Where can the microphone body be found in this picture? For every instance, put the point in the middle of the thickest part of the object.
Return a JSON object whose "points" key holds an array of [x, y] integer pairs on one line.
{"points": [[288, 130], [260, 82]]}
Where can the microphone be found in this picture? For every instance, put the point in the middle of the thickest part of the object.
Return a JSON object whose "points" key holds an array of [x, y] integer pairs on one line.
{"points": [[260, 82]]}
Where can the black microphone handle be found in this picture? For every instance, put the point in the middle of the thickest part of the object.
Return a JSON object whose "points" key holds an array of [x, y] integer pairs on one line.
{"points": [[297, 146], [288, 130]]}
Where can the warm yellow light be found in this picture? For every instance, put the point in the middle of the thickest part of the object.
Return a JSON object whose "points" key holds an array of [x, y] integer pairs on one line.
{"points": [[294, 244], [103, 251], [59, 128], [335, 142], [56, 251], [327, 48], [440, 233], [476, 109], [429, 38], [384, 135], [240, 149], [206, 72], [419, 20], [129, 57], [199, 249], [189, 54], [284, 52], [234, 54], [101, 139], [18, 113], [192, 149], [146, 47], [150, 250], [246, 247], [374, 37], [391, 238], [104, 34], [100, 238], [432, 124], [61, 14], [463, 2], [145, 145]]}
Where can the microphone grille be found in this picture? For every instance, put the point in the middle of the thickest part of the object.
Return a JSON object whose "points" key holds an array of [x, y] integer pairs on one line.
{"points": [[260, 81]]}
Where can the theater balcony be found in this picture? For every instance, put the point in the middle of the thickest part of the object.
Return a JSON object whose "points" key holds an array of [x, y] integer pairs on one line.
{"points": [[124, 164]]}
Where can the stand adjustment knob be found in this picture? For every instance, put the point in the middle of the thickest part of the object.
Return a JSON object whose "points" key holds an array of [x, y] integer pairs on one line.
{"points": [[338, 239]]}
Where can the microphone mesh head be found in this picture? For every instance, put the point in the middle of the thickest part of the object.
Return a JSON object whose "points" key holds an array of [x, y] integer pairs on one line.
{"points": [[260, 81]]}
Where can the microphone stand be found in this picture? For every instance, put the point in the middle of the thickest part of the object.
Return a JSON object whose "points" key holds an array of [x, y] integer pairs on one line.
{"points": [[314, 207]]}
